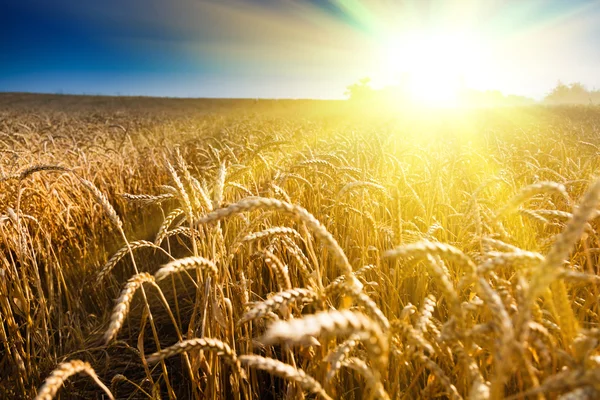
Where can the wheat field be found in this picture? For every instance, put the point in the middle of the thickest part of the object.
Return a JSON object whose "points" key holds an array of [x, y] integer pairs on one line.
{"points": [[209, 249]]}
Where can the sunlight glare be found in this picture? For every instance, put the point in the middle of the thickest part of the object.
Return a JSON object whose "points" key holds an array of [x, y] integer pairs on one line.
{"points": [[429, 68]]}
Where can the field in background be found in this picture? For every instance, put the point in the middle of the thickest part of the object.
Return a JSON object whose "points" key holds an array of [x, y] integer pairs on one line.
{"points": [[416, 254]]}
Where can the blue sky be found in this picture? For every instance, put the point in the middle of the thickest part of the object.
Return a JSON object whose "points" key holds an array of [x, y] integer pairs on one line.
{"points": [[282, 49]]}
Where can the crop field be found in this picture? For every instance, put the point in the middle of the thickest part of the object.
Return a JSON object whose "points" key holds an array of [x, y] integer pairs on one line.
{"points": [[241, 249]]}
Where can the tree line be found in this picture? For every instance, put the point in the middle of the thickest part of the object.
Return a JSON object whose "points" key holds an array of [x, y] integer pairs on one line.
{"points": [[573, 93]]}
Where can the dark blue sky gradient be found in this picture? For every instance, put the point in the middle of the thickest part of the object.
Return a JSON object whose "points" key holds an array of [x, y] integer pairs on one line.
{"points": [[265, 48], [46, 49]]}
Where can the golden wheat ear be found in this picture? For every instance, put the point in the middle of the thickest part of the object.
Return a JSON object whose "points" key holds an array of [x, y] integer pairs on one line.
{"points": [[101, 198], [185, 264], [276, 302], [121, 308], [220, 348], [286, 371], [549, 269], [63, 372], [330, 324], [299, 213]]}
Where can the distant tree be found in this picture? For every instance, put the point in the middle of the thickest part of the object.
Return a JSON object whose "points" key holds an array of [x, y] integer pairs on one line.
{"points": [[560, 92], [360, 90], [574, 93]]}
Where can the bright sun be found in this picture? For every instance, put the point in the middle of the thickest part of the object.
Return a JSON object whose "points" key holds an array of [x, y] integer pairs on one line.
{"points": [[430, 67]]}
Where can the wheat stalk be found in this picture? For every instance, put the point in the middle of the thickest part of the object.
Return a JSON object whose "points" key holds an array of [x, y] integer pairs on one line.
{"points": [[441, 375], [373, 380]]}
